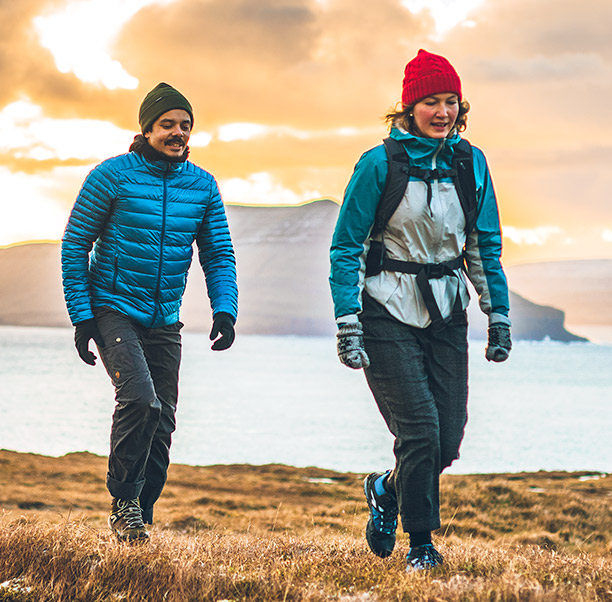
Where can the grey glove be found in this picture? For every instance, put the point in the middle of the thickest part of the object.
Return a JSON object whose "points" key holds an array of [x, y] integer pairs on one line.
{"points": [[499, 344], [350, 346]]}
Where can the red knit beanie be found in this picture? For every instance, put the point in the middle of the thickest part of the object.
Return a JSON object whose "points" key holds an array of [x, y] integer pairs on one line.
{"points": [[428, 74]]}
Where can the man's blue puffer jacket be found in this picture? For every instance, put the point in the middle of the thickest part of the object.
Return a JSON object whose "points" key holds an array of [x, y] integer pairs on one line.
{"points": [[142, 218]]}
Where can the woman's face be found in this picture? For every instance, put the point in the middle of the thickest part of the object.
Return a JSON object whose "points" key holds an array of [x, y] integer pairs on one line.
{"points": [[435, 116]]}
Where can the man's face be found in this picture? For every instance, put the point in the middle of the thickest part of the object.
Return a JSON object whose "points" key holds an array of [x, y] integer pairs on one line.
{"points": [[170, 133]]}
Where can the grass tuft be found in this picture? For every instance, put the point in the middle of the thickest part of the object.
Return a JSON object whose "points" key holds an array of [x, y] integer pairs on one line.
{"points": [[276, 533]]}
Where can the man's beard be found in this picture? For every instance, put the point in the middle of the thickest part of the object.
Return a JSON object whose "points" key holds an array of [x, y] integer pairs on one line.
{"points": [[141, 146]]}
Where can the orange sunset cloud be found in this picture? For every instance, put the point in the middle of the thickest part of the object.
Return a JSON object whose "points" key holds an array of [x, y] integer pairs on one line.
{"points": [[288, 95]]}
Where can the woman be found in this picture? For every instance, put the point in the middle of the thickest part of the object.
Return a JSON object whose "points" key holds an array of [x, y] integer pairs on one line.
{"points": [[405, 322]]}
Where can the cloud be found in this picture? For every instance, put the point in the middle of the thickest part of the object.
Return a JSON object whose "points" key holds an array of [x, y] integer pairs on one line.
{"points": [[261, 189], [28, 134], [445, 14], [296, 90], [79, 35], [531, 236], [30, 72], [299, 62], [231, 132], [543, 69]]}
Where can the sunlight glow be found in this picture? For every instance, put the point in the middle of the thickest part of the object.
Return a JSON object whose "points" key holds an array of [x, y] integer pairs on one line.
{"points": [[80, 35], [27, 133], [446, 13], [26, 210]]}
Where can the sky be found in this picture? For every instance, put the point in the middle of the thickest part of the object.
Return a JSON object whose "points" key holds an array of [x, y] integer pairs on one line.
{"points": [[287, 95]]}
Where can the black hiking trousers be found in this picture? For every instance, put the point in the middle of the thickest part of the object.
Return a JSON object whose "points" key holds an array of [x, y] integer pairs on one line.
{"points": [[143, 364], [419, 379]]}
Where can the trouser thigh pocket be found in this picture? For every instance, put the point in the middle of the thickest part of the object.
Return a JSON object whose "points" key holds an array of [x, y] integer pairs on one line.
{"points": [[127, 368]]}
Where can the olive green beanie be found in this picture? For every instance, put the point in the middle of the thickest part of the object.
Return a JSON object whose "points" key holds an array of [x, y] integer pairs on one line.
{"points": [[159, 100]]}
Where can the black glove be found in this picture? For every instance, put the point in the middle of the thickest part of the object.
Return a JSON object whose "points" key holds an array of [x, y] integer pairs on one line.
{"points": [[349, 342], [83, 333], [499, 344], [223, 324]]}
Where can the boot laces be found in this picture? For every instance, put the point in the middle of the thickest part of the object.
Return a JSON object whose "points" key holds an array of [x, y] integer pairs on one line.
{"points": [[385, 517], [131, 512]]}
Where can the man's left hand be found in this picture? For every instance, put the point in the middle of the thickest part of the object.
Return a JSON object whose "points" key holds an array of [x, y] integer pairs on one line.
{"points": [[223, 324]]}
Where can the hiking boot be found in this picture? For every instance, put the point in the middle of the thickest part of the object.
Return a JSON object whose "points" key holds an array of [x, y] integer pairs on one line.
{"points": [[125, 521], [380, 530], [423, 558]]}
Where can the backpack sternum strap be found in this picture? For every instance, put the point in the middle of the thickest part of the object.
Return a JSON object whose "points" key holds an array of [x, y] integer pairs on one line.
{"points": [[430, 175]]}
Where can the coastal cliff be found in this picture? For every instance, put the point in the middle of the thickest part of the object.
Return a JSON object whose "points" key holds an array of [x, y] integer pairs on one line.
{"points": [[283, 268]]}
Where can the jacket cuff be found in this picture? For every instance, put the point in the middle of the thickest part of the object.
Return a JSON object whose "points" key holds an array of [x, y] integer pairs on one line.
{"points": [[499, 319], [218, 314], [348, 319]]}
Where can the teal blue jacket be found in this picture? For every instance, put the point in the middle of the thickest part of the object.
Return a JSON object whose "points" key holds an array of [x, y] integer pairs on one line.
{"points": [[129, 241], [423, 241]]}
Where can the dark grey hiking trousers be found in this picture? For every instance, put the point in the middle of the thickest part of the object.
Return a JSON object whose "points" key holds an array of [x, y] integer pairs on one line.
{"points": [[143, 364], [419, 379]]}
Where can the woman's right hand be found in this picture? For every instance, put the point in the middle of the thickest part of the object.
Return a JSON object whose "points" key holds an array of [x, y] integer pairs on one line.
{"points": [[349, 342]]}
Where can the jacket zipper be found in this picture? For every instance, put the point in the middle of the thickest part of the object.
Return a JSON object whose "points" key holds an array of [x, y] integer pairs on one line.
{"points": [[161, 250], [436, 194], [115, 273]]}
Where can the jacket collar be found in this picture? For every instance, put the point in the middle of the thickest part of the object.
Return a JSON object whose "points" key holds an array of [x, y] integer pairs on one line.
{"points": [[155, 161], [423, 149]]}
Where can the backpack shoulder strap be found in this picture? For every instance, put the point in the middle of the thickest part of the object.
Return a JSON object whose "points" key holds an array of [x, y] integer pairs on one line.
{"points": [[395, 184], [463, 164]]}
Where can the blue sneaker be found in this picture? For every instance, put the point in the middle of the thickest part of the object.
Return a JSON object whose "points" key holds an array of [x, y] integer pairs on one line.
{"points": [[423, 558], [380, 530]]}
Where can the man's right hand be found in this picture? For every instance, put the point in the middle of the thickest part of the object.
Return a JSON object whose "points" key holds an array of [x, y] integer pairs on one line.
{"points": [[83, 333]]}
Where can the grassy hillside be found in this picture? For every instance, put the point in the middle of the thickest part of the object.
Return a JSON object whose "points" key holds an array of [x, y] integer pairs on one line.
{"points": [[277, 533]]}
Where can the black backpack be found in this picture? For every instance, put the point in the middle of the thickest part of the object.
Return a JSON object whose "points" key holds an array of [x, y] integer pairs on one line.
{"points": [[398, 175], [462, 172]]}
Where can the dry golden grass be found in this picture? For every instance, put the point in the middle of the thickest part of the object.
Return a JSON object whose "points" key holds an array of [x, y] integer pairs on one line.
{"points": [[276, 533]]}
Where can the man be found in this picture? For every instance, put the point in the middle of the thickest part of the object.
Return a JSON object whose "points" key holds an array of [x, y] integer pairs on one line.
{"points": [[126, 251]]}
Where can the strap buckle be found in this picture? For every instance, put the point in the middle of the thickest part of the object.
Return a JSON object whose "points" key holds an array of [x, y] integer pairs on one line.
{"points": [[435, 270]]}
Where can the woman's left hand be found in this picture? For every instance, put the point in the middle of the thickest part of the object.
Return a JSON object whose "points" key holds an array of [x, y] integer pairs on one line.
{"points": [[499, 343]]}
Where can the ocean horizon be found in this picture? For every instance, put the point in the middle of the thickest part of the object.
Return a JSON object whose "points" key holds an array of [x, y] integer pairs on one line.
{"points": [[288, 400]]}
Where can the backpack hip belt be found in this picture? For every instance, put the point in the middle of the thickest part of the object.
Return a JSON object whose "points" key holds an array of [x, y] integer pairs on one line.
{"points": [[424, 273]]}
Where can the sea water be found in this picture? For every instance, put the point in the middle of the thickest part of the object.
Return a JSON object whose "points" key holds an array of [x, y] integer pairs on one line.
{"points": [[285, 399]]}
